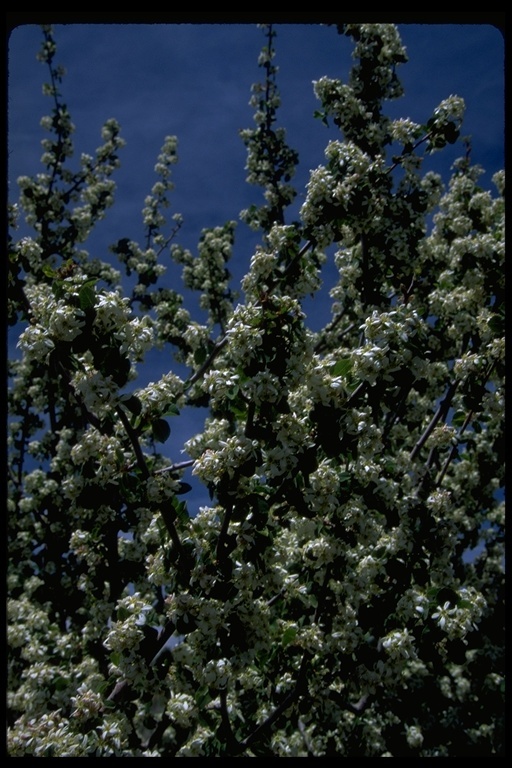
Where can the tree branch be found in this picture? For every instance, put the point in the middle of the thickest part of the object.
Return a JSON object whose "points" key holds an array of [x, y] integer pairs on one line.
{"points": [[467, 420], [287, 702], [224, 531], [441, 413], [134, 441], [175, 467], [207, 363]]}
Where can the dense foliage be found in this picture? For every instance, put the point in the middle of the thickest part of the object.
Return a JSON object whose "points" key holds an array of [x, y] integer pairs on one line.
{"points": [[324, 603]]}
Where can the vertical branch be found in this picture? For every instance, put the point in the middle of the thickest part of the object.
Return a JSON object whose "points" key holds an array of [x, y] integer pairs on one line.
{"points": [[365, 293], [464, 426], [287, 702], [441, 413], [134, 441], [221, 544]]}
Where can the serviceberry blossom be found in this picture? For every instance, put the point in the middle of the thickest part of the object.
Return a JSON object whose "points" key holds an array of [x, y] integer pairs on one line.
{"points": [[314, 566]]}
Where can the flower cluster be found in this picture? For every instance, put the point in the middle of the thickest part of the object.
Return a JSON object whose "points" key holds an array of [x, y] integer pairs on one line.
{"points": [[230, 455], [342, 192]]}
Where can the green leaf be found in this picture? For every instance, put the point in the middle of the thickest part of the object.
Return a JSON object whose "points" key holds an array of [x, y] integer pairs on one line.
{"points": [[200, 355], [496, 324], [289, 636], [60, 683], [447, 595], [161, 430], [321, 116], [458, 418], [171, 410], [122, 246], [87, 296], [342, 367], [451, 132], [260, 504], [131, 402], [49, 271], [202, 697], [180, 507]]}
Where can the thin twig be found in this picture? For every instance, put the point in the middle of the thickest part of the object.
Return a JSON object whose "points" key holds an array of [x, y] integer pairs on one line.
{"points": [[171, 529], [134, 441], [305, 248], [322, 343], [209, 360], [356, 393], [441, 413], [175, 467], [280, 594]]}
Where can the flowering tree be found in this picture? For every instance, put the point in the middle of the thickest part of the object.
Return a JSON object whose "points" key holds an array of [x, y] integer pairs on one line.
{"points": [[324, 602]]}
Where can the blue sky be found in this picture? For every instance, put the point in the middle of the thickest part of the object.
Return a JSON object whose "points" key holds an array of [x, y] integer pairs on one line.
{"points": [[194, 81]]}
